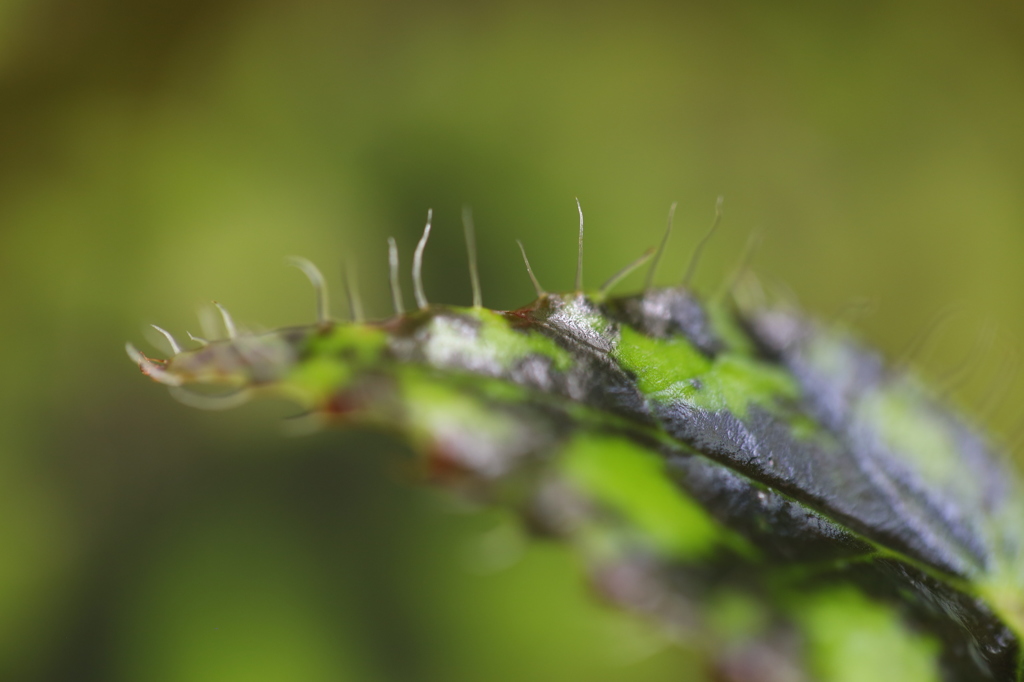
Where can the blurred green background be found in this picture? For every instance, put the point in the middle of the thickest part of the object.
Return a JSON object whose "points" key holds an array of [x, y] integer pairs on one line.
{"points": [[155, 156]]}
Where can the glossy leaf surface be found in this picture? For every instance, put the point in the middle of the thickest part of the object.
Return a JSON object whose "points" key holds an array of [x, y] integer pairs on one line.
{"points": [[766, 486]]}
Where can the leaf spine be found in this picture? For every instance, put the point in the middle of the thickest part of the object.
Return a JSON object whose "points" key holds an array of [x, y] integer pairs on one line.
{"points": [[579, 253], [393, 281], [533, 278], [229, 323], [691, 268], [417, 265], [474, 274], [649, 283], [316, 278]]}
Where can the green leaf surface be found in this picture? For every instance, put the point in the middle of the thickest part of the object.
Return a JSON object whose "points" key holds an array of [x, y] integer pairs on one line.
{"points": [[697, 456]]}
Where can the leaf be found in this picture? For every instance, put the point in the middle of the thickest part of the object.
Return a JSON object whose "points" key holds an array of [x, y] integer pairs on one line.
{"points": [[763, 484]]}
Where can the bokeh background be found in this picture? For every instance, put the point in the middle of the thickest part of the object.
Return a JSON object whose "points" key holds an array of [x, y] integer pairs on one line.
{"points": [[157, 155]]}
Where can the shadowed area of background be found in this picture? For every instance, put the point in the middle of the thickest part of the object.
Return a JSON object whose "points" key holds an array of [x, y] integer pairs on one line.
{"points": [[156, 156]]}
